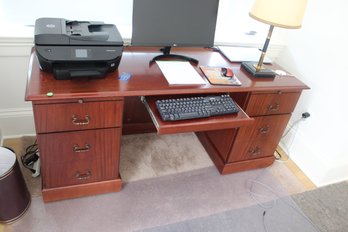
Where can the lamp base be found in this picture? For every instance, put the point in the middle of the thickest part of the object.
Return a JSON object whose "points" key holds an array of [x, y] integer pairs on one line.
{"points": [[263, 72]]}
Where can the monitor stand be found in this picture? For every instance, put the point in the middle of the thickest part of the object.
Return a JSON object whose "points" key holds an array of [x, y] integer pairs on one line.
{"points": [[167, 55]]}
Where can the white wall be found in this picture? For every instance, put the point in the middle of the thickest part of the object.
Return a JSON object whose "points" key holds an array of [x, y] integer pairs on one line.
{"points": [[317, 54], [232, 23], [16, 117]]}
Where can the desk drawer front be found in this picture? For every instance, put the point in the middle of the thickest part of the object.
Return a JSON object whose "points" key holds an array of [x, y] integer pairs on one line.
{"points": [[265, 127], [82, 172], [79, 157], [259, 140], [272, 103], [77, 116], [252, 150], [260, 148]]}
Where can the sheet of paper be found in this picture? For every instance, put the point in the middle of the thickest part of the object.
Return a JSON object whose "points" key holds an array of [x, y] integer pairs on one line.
{"points": [[180, 73], [240, 54]]}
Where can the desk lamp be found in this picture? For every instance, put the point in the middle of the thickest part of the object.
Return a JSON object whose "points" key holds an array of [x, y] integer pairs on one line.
{"points": [[280, 13]]}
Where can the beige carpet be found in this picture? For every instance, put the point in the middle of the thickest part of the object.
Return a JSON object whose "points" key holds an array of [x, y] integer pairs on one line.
{"points": [[142, 156], [150, 155]]}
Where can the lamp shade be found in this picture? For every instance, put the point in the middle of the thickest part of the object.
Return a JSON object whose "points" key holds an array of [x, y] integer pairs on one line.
{"points": [[280, 13]]}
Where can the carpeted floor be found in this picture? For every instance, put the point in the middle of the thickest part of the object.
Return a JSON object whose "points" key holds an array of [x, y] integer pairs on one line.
{"points": [[180, 190], [150, 155], [321, 210], [148, 203], [326, 207], [283, 216]]}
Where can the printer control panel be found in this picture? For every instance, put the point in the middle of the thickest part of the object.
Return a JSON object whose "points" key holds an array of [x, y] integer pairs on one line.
{"points": [[74, 53]]}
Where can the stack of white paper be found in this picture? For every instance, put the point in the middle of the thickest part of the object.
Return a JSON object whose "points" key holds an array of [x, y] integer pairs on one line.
{"points": [[180, 73]]}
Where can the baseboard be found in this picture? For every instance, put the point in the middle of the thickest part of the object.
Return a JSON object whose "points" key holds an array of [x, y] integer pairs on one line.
{"points": [[16, 122], [320, 168], [81, 190], [284, 158]]}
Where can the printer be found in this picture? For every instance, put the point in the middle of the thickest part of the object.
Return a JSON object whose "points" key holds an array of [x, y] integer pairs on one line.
{"points": [[73, 49]]}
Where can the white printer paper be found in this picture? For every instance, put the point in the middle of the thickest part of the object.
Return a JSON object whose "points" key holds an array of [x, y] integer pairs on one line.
{"points": [[180, 73], [240, 54]]}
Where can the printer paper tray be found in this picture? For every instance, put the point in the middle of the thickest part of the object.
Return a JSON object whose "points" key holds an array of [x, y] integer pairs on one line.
{"points": [[71, 71]]}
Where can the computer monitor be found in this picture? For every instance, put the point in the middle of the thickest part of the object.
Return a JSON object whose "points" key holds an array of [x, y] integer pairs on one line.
{"points": [[174, 23]]}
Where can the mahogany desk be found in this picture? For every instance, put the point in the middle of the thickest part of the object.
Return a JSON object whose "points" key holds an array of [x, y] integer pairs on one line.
{"points": [[80, 126]]}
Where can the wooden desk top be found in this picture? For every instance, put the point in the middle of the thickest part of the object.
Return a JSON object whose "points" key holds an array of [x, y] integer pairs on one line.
{"points": [[148, 79]]}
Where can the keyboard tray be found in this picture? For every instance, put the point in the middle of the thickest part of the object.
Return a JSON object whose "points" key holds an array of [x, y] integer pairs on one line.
{"points": [[193, 125]]}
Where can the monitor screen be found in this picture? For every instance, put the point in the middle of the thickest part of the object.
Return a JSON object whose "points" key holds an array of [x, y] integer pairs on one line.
{"points": [[169, 23]]}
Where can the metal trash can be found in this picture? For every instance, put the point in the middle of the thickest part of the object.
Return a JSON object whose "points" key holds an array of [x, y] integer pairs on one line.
{"points": [[14, 195]]}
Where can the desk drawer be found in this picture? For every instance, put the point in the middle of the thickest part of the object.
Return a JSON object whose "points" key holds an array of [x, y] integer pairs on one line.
{"points": [[253, 150], [79, 157], [81, 172], [272, 103], [77, 116], [265, 127], [260, 148], [259, 140]]}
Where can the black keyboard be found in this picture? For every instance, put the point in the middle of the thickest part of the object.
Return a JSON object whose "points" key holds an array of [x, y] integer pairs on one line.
{"points": [[196, 107]]}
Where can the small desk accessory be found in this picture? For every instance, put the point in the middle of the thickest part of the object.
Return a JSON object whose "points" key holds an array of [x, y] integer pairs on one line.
{"points": [[220, 76]]}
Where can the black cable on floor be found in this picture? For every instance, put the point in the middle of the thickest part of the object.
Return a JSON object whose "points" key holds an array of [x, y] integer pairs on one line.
{"points": [[30, 156]]}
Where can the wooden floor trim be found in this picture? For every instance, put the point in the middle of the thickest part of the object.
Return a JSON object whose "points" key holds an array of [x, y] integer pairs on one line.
{"points": [[301, 176]]}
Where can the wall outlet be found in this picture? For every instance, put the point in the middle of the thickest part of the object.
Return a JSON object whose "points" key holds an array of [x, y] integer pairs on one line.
{"points": [[305, 115]]}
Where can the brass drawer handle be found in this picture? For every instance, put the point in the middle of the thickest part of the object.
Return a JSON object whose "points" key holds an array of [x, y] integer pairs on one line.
{"points": [[83, 176], [264, 130], [76, 121], [255, 151], [76, 148], [273, 108]]}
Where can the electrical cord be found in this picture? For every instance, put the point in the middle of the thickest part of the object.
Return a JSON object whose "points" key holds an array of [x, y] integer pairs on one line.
{"points": [[30, 156], [263, 221], [292, 126], [279, 155], [274, 202]]}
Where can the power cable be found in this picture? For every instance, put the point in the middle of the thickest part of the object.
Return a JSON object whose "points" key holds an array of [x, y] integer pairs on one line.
{"points": [[30, 156], [254, 196]]}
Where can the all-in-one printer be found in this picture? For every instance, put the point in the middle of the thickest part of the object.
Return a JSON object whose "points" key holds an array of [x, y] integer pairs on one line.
{"points": [[73, 49]]}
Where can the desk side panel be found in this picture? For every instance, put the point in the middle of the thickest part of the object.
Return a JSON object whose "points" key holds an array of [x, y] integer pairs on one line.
{"points": [[136, 118]]}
